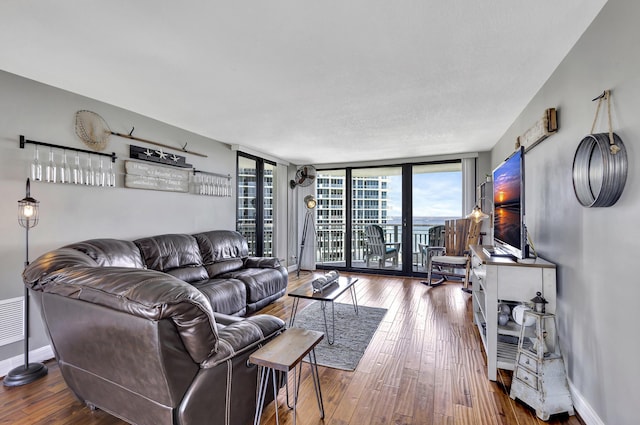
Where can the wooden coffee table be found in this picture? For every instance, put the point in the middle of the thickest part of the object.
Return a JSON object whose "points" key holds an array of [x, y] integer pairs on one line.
{"points": [[328, 295], [284, 353]]}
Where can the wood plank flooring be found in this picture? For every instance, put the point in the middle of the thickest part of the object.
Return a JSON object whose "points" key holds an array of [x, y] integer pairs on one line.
{"points": [[425, 365]]}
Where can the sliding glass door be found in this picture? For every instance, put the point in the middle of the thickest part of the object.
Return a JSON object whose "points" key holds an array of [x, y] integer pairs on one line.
{"points": [[378, 218]]}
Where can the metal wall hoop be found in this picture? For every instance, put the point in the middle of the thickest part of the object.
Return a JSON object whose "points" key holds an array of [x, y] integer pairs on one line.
{"points": [[599, 175]]}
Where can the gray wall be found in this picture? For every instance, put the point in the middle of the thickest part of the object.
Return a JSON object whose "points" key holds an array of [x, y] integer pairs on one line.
{"points": [[595, 249], [70, 213]]}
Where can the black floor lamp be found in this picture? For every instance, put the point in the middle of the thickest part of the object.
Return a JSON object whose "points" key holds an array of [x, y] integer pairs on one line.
{"points": [[29, 372], [310, 203]]}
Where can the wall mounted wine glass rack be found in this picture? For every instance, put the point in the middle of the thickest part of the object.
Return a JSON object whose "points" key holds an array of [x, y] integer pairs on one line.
{"points": [[63, 172], [24, 141], [211, 184]]}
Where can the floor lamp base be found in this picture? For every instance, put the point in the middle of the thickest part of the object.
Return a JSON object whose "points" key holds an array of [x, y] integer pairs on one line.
{"points": [[21, 376]]}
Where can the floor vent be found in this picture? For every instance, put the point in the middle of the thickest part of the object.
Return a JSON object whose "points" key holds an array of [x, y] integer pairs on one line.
{"points": [[11, 317]]}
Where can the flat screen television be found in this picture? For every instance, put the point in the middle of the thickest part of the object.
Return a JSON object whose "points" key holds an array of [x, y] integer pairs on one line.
{"points": [[509, 230]]}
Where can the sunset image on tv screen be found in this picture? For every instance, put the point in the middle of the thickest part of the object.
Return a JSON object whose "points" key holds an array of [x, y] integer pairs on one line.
{"points": [[506, 200], [507, 183]]}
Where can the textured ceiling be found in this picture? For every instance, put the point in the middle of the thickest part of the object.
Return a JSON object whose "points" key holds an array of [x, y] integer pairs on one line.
{"points": [[305, 81]]}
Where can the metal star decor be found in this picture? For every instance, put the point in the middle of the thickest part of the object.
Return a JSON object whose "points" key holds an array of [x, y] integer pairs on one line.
{"points": [[158, 156]]}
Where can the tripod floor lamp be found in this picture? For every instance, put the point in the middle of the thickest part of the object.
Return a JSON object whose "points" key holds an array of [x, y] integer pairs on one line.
{"points": [[29, 372], [310, 203]]}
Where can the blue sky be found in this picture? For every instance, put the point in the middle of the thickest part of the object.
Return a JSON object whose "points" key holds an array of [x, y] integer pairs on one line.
{"points": [[434, 195]]}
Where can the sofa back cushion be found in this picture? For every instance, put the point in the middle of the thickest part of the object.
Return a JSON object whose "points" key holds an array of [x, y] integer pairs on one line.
{"points": [[176, 254], [222, 251], [110, 252]]}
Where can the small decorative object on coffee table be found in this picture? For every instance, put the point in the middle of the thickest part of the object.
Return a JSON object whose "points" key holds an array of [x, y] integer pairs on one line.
{"points": [[327, 295], [283, 354]]}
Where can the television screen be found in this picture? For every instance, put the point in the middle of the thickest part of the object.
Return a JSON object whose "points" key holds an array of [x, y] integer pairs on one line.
{"points": [[508, 200]]}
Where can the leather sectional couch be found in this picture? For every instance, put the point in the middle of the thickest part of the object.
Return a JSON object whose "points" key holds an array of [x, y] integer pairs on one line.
{"points": [[149, 330]]}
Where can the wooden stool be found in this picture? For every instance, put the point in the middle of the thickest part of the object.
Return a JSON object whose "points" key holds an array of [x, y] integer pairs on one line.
{"points": [[284, 353]]}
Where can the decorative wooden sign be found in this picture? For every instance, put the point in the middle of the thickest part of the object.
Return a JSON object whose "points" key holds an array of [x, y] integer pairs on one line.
{"points": [[542, 129], [139, 175], [158, 156]]}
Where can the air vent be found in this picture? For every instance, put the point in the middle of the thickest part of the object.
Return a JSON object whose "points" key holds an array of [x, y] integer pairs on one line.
{"points": [[11, 317]]}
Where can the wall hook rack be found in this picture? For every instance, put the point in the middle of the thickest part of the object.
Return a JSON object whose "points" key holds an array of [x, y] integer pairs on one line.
{"points": [[226, 176], [24, 141]]}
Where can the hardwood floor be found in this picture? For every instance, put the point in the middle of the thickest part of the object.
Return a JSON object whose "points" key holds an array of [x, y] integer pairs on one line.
{"points": [[425, 365]]}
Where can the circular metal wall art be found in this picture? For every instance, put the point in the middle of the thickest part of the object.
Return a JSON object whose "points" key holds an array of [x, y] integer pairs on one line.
{"points": [[598, 175]]}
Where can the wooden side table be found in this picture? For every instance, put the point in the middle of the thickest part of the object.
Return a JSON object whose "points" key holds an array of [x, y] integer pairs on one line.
{"points": [[284, 353]]}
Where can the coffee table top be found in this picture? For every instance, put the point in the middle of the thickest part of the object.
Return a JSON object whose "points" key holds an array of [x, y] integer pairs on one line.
{"points": [[330, 293], [287, 349]]}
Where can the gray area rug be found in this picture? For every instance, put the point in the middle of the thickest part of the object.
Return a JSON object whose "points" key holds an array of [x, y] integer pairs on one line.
{"points": [[353, 333]]}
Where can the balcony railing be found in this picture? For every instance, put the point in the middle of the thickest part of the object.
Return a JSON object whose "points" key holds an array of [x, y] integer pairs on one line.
{"points": [[330, 240]]}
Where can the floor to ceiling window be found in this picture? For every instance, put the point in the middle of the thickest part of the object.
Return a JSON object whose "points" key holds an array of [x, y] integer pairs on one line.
{"points": [[400, 202], [255, 206]]}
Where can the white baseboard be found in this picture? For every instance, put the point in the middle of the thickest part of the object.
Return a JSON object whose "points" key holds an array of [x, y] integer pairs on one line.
{"points": [[38, 355], [588, 415]]}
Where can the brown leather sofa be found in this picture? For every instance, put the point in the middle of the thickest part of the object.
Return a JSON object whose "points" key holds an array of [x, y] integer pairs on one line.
{"points": [[142, 329]]}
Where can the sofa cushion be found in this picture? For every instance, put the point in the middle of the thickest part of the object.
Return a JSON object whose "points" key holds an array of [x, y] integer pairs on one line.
{"points": [[38, 274], [220, 267], [220, 245], [227, 296], [144, 293], [110, 252], [260, 283], [167, 253], [262, 262]]}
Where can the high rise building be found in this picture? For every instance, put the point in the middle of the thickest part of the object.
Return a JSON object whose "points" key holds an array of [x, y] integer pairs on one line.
{"points": [[369, 197]]}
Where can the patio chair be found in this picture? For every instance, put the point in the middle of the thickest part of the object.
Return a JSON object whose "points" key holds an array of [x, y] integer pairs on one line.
{"points": [[435, 240], [458, 235], [377, 248]]}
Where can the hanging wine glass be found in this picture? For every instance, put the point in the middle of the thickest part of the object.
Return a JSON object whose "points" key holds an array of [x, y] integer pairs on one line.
{"points": [[89, 178], [100, 174], [76, 171], [111, 175], [64, 171], [36, 167], [51, 169]]}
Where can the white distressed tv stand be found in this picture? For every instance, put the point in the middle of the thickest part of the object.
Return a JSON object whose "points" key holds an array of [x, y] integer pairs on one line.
{"points": [[499, 279]]}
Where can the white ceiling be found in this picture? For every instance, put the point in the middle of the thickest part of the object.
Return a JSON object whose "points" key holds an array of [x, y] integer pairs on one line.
{"points": [[307, 81]]}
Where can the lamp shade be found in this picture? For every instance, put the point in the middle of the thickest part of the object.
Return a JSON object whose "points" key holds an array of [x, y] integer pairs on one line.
{"points": [[28, 210], [310, 202], [477, 214]]}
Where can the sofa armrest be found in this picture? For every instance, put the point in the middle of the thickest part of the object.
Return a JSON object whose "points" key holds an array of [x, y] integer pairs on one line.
{"points": [[241, 335], [262, 262]]}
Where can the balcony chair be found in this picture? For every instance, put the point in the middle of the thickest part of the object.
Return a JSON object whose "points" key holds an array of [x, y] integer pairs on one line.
{"points": [[436, 240], [377, 248], [454, 256]]}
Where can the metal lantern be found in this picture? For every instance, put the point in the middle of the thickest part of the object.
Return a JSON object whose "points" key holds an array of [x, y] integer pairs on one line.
{"points": [[539, 302], [28, 209]]}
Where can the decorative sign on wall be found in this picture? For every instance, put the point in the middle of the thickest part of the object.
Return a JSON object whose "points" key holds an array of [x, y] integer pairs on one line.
{"points": [[158, 156], [139, 175], [542, 129]]}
